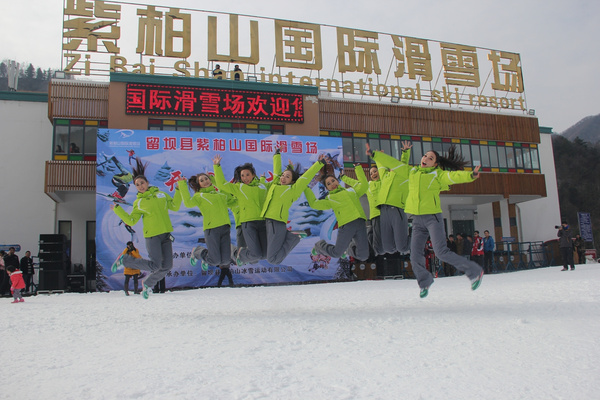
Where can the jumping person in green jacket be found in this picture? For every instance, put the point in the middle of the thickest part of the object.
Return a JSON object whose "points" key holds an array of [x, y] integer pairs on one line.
{"points": [[374, 229], [392, 198], [345, 203], [216, 224], [250, 193], [434, 174], [284, 191], [152, 206]]}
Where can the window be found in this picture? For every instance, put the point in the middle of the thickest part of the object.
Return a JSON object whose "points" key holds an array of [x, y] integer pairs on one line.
{"points": [[485, 156], [76, 139], [501, 156], [416, 153], [347, 146], [535, 162], [493, 157], [510, 157], [465, 150], [526, 158], [476, 155], [519, 157]]}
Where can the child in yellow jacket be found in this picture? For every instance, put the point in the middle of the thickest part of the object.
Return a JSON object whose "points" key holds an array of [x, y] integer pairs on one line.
{"points": [[131, 272]]}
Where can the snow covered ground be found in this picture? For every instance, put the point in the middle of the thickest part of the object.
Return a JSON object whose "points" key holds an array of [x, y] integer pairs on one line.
{"points": [[522, 335]]}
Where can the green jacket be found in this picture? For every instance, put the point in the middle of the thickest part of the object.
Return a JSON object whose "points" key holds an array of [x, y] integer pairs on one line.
{"points": [[250, 197], [153, 207], [280, 197], [372, 194], [394, 183], [425, 185], [212, 204], [345, 203]]}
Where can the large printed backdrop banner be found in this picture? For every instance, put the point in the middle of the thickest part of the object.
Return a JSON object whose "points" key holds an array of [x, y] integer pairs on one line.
{"points": [[170, 155]]}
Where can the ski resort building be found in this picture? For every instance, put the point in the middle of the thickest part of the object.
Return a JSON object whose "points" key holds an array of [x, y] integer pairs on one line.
{"points": [[50, 184]]}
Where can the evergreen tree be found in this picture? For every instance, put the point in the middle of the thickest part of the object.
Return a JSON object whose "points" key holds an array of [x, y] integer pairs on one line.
{"points": [[30, 72]]}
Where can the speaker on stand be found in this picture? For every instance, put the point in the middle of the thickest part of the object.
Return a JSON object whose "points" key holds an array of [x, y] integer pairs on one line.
{"points": [[53, 262]]}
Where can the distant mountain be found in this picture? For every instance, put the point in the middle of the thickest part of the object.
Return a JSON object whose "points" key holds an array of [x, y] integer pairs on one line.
{"points": [[588, 130]]}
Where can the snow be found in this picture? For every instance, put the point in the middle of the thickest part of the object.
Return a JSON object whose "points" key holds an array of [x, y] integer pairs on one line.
{"points": [[529, 335]]}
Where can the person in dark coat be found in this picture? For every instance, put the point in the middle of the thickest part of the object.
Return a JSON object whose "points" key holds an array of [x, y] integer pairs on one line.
{"points": [[27, 269], [11, 259], [579, 244], [451, 243], [565, 242]]}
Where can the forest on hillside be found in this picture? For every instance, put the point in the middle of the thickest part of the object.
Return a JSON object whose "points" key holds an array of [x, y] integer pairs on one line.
{"points": [[31, 79], [578, 177]]}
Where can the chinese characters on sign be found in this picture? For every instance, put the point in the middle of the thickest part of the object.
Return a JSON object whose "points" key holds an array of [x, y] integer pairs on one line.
{"points": [[213, 103], [98, 37]]}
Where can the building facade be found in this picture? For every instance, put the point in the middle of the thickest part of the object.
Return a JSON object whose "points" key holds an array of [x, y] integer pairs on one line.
{"points": [[51, 142]]}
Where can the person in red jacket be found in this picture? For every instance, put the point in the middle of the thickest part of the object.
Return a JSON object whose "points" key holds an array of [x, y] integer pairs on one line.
{"points": [[16, 284], [477, 251]]}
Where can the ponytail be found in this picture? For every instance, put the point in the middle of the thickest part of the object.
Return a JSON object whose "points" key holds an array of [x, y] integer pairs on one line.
{"points": [[451, 162]]}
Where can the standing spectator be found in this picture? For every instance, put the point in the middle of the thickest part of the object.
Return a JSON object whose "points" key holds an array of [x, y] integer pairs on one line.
{"points": [[579, 244], [237, 73], [488, 252], [477, 249], [565, 242], [4, 285], [11, 259], [27, 270], [451, 243], [467, 246], [460, 244], [74, 148], [16, 283], [217, 72]]}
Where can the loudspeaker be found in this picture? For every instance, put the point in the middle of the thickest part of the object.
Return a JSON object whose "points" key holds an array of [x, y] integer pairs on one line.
{"points": [[52, 280], [53, 248]]}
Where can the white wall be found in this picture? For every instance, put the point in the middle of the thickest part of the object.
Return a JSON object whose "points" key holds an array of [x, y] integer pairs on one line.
{"points": [[77, 208], [538, 217], [25, 211]]}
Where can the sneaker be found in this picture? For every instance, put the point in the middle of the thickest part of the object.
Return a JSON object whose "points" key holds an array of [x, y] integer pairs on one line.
{"points": [[236, 257], [21, 300], [117, 264], [572, 268], [146, 292], [14, 301], [424, 292], [475, 283], [565, 269]]}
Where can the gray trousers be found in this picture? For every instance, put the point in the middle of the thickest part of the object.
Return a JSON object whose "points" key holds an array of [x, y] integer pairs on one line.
{"points": [[255, 235], [351, 238], [17, 294], [218, 247], [280, 241], [432, 225], [160, 251], [374, 234], [394, 229], [239, 237]]}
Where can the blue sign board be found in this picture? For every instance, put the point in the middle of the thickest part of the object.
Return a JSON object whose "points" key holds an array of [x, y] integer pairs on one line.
{"points": [[585, 226]]}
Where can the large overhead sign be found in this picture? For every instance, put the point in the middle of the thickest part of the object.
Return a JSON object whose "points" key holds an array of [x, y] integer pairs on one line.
{"points": [[104, 36]]}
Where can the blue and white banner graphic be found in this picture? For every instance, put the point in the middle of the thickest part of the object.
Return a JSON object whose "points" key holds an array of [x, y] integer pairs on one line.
{"points": [[171, 155]]}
